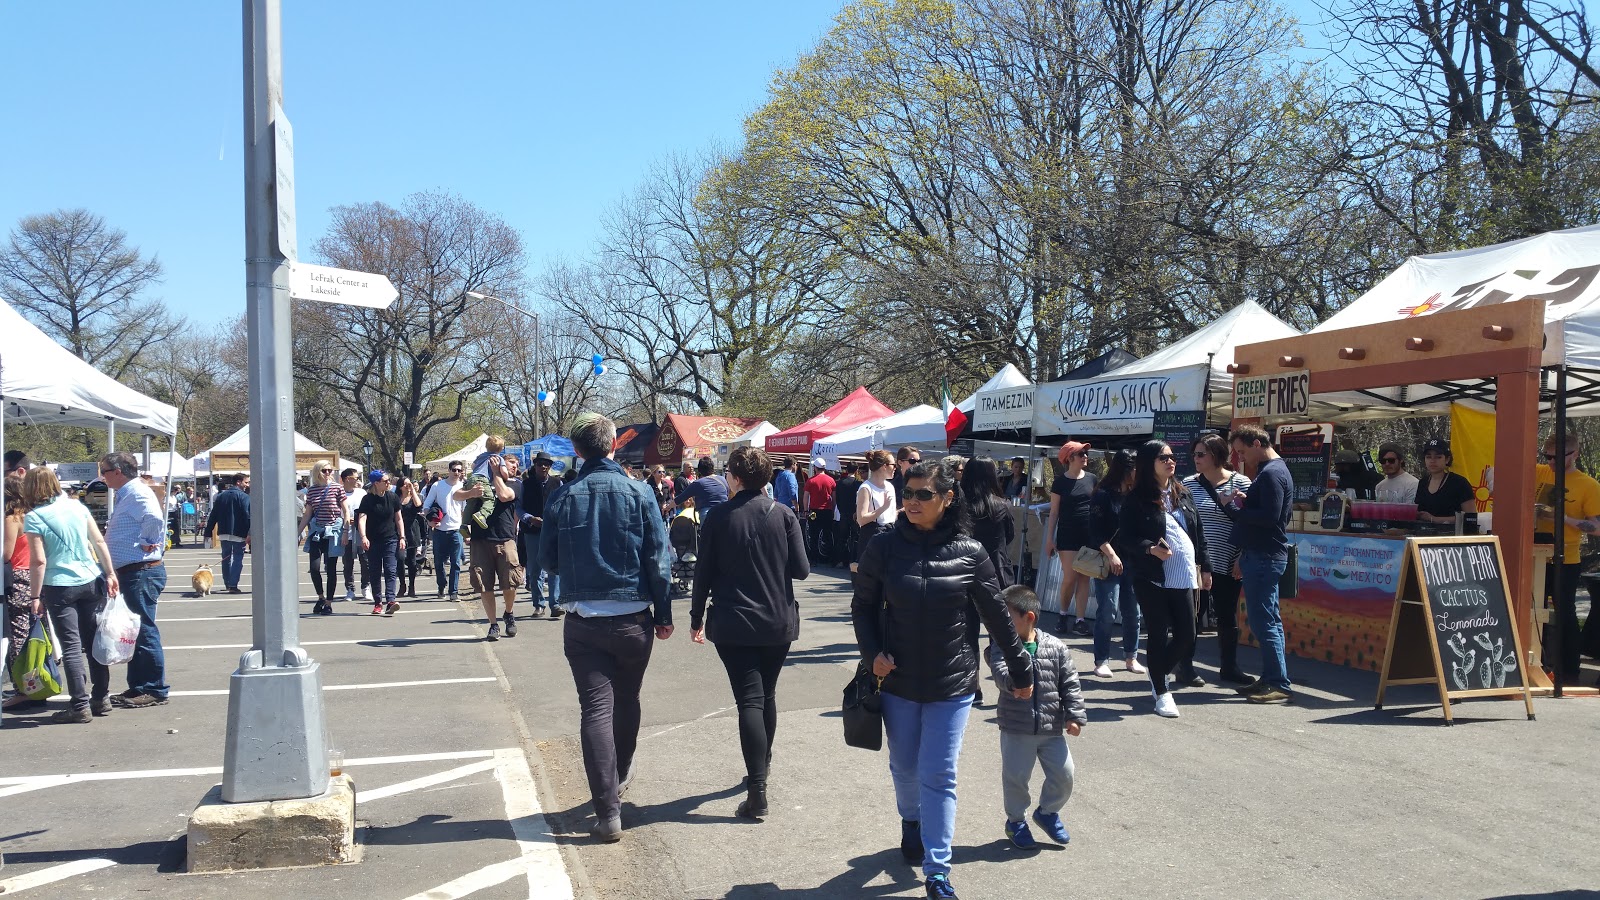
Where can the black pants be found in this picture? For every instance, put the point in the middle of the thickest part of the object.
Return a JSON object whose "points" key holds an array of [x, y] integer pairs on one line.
{"points": [[72, 612], [845, 542], [608, 656], [352, 550], [1169, 629], [753, 675], [321, 561], [1223, 601], [1566, 618]]}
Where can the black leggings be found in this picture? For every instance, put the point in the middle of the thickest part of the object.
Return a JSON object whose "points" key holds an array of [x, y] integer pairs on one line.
{"points": [[330, 564], [753, 675], [1169, 629], [1223, 601], [352, 555]]}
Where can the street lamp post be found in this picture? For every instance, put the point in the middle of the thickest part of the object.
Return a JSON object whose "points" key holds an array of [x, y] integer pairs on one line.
{"points": [[366, 447], [538, 408]]}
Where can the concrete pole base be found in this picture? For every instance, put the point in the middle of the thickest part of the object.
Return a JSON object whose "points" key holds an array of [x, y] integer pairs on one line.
{"points": [[274, 834]]}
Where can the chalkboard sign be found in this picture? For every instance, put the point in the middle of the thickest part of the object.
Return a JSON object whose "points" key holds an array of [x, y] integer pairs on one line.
{"points": [[1308, 452], [1180, 429], [1453, 624], [1332, 511]]}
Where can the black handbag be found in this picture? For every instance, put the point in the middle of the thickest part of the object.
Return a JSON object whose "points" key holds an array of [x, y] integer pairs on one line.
{"points": [[1289, 584], [863, 710]]}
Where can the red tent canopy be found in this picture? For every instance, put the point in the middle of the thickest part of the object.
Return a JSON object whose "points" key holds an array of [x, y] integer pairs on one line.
{"points": [[698, 434], [859, 408]]}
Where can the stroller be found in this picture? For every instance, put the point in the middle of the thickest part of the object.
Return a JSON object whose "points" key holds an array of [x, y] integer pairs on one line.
{"points": [[683, 533]]}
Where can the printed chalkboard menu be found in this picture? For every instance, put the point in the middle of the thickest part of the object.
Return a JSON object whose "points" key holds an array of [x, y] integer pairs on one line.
{"points": [[1308, 452], [1453, 625], [1180, 429]]}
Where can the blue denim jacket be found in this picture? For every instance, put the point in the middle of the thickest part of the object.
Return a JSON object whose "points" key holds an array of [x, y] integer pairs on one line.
{"points": [[604, 535]]}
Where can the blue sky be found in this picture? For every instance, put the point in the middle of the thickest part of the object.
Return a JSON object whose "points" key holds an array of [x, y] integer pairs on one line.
{"points": [[545, 114]]}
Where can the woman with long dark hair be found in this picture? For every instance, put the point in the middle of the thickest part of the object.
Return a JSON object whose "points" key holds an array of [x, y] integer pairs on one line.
{"points": [[414, 530], [991, 518], [751, 552], [917, 586], [1105, 517], [1161, 540], [1212, 488]]}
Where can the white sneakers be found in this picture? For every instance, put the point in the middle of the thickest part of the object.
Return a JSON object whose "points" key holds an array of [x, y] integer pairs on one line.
{"points": [[1102, 669], [1166, 707], [366, 594], [350, 594], [1133, 665]]}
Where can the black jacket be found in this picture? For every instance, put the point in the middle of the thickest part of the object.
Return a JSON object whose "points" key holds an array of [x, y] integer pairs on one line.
{"points": [[1142, 524], [230, 513], [1105, 517], [923, 586], [751, 550], [995, 532]]}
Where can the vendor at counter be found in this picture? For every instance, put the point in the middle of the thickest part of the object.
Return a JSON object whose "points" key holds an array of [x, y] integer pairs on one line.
{"points": [[1582, 517], [1442, 493], [1398, 485], [1353, 475]]}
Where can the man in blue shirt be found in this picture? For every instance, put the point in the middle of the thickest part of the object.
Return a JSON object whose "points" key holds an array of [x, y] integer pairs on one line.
{"points": [[614, 587], [786, 487], [136, 535], [230, 516], [1261, 532], [707, 491]]}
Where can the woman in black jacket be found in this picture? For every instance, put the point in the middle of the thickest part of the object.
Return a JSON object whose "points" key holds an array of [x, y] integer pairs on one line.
{"points": [[917, 586], [991, 518], [751, 550], [1161, 542]]}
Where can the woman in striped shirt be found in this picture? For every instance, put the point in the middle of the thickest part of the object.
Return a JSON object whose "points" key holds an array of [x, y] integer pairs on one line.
{"points": [[326, 521], [1220, 483]]}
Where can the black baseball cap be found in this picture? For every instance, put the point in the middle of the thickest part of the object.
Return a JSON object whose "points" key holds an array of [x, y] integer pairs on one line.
{"points": [[1436, 445]]}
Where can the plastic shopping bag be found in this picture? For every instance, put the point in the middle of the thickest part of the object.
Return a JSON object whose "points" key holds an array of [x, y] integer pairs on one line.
{"points": [[117, 630], [35, 672]]}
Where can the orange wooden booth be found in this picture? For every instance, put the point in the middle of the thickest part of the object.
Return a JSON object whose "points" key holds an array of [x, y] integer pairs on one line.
{"points": [[1502, 342]]}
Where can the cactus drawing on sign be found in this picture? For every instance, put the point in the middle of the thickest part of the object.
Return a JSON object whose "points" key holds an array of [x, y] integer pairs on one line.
{"points": [[1461, 671], [1458, 645], [1497, 663]]}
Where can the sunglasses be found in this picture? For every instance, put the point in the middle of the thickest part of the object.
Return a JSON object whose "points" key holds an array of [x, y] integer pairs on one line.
{"points": [[457, 471], [921, 494], [1166, 457], [1387, 460], [1200, 454], [327, 471], [1547, 456], [913, 459]]}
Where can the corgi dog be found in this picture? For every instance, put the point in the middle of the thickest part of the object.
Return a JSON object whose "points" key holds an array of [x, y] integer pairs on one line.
{"points": [[201, 581]]}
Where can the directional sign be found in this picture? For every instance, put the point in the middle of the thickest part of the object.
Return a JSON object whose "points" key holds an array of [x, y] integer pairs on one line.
{"points": [[283, 191], [329, 285]]}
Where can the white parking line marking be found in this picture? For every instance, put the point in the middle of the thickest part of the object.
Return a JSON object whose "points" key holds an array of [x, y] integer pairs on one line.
{"points": [[370, 640], [540, 859], [51, 875], [426, 781], [217, 770], [403, 612], [348, 687], [685, 724]]}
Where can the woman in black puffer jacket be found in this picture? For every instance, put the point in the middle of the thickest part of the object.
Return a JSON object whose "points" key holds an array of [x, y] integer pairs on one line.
{"points": [[917, 586], [1164, 548]]}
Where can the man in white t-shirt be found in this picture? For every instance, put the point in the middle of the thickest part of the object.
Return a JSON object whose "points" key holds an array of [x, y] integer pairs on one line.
{"points": [[446, 522], [1398, 485], [353, 494]]}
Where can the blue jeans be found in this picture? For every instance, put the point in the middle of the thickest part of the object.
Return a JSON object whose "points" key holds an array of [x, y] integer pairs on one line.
{"points": [[232, 563], [1120, 587], [924, 744], [147, 670], [447, 554], [383, 559], [1261, 574], [550, 588]]}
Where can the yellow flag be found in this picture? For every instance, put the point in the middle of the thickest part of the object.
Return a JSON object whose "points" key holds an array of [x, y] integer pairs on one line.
{"points": [[1472, 449]]}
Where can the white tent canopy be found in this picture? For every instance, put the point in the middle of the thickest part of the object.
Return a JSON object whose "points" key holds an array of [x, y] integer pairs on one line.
{"points": [[757, 436], [159, 461], [44, 383], [467, 454], [919, 424], [239, 442], [1009, 376], [1213, 345]]}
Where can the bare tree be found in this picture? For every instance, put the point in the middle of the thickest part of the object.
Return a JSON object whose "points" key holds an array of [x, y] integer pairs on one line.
{"points": [[81, 282]]}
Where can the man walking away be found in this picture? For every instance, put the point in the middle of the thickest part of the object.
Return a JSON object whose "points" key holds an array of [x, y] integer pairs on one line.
{"points": [[707, 491], [786, 487], [444, 514], [536, 490], [492, 549], [1261, 532], [382, 539], [136, 534], [354, 493], [230, 516], [844, 514], [610, 587]]}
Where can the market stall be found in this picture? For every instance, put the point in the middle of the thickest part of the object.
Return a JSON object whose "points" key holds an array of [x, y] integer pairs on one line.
{"points": [[634, 440], [233, 455], [857, 408], [921, 425], [688, 438]]}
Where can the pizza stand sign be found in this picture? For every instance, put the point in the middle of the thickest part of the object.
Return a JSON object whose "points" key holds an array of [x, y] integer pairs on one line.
{"points": [[1452, 625]]}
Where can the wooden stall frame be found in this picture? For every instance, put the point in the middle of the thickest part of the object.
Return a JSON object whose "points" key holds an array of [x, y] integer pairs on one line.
{"points": [[1502, 341]]}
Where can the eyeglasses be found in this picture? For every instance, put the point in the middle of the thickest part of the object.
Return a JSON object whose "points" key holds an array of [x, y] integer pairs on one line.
{"points": [[1199, 454], [537, 462], [457, 471], [1082, 453], [1166, 457], [913, 459], [327, 471], [1391, 460], [922, 495], [107, 471], [1547, 456]]}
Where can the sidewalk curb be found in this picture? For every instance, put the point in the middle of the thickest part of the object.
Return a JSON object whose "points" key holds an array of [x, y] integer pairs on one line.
{"points": [[581, 886]]}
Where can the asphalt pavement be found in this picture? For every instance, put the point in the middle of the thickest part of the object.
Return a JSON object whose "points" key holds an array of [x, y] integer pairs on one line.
{"points": [[470, 781]]}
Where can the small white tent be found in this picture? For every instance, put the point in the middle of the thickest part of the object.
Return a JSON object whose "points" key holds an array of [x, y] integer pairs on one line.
{"points": [[921, 424], [239, 443], [757, 436], [467, 454], [160, 461], [1009, 376]]}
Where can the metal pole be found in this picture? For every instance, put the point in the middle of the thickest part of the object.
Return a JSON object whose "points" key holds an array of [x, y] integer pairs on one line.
{"points": [[111, 447], [276, 745], [538, 408], [1558, 468]]}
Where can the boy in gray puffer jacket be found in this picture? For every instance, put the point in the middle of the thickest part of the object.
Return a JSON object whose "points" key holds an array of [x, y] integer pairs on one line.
{"points": [[1037, 729]]}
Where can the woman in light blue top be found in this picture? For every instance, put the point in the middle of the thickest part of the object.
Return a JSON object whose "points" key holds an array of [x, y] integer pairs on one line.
{"points": [[69, 557]]}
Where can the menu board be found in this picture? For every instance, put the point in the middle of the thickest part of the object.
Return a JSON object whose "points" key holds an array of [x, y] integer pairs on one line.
{"points": [[1308, 452], [1180, 429], [1453, 624]]}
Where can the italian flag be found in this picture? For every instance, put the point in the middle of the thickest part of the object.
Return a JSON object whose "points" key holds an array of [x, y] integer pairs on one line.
{"points": [[954, 419]]}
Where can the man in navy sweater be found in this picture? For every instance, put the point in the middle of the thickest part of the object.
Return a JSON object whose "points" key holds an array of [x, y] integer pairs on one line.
{"points": [[1261, 532]]}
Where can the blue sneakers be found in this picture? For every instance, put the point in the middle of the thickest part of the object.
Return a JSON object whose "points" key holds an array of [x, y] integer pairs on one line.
{"points": [[938, 888], [1052, 825], [1021, 837]]}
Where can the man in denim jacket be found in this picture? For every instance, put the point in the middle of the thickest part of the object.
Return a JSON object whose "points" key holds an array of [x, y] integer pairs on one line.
{"points": [[603, 534]]}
